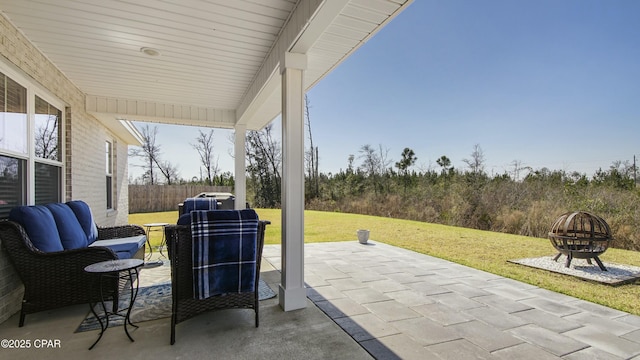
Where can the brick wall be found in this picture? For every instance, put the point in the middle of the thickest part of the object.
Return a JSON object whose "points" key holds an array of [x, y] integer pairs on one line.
{"points": [[85, 150]]}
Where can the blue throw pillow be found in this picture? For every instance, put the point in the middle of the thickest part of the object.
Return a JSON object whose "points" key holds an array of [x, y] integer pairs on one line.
{"points": [[71, 233], [39, 224], [85, 218]]}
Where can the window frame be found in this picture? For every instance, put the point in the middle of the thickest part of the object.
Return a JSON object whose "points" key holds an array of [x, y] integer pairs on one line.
{"points": [[109, 157], [33, 89]]}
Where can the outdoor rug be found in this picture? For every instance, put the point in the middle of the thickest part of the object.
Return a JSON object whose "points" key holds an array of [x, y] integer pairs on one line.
{"points": [[616, 275], [152, 302]]}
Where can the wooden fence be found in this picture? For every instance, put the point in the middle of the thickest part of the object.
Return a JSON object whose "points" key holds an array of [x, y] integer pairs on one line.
{"points": [[155, 198]]}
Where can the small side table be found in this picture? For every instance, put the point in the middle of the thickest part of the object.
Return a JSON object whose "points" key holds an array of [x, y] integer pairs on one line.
{"points": [[126, 269], [155, 227]]}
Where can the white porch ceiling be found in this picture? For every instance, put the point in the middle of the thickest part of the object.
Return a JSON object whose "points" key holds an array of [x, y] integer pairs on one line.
{"points": [[219, 59]]}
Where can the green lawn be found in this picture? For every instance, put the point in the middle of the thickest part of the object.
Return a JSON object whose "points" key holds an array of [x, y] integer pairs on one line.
{"points": [[484, 250]]}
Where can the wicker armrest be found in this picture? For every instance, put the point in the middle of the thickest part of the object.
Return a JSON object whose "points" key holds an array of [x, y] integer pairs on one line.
{"points": [[67, 261], [119, 232]]}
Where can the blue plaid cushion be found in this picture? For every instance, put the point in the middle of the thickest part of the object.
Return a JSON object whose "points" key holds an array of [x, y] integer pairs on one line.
{"points": [[224, 250], [206, 203]]}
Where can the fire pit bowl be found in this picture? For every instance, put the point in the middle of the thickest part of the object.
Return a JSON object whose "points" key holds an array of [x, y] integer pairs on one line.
{"points": [[581, 235]]}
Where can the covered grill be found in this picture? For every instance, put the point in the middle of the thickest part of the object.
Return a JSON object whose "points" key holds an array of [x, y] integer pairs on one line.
{"points": [[581, 235]]}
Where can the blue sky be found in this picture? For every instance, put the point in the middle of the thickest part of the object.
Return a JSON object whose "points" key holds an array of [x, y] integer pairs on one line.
{"points": [[551, 84]]}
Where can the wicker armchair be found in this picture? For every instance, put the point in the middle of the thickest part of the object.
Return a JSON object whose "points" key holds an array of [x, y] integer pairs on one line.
{"points": [[56, 279], [185, 306]]}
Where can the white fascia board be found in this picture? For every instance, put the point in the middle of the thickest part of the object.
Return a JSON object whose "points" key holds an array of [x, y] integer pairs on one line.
{"points": [[109, 109]]}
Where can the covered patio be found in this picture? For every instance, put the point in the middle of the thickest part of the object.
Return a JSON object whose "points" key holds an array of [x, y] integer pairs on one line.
{"points": [[365, 301], [238, 65], [234, 65]]}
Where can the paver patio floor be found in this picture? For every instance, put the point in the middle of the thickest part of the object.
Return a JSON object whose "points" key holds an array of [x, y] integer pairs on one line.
{"points": [[365, 301], [398, 303]]}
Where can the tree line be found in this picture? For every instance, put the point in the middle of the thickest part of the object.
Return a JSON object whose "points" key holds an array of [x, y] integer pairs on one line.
{"points": [[466, 197], [522, 201]]}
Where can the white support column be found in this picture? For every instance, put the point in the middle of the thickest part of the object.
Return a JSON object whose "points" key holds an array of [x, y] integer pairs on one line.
{"points": [[293, 294], [240, 171]]}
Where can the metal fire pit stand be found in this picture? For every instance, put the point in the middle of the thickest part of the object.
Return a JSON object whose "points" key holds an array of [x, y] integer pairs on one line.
{"points": [[581, 235]]}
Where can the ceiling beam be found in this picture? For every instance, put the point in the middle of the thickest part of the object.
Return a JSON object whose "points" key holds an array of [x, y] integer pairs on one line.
{"points": [[140, 110]]}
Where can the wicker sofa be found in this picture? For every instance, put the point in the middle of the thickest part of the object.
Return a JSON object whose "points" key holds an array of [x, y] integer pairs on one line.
{"points": [[50, 245]]}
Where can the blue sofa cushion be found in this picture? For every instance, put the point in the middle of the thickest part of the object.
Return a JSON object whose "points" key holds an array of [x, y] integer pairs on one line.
{"points": [[125, 248], [85, 218], [71, 234], [139, 240], [40, 225]]}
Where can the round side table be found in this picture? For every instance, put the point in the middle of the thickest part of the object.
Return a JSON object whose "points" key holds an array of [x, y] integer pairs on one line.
{"points": [[155, 227], [127, 270]]}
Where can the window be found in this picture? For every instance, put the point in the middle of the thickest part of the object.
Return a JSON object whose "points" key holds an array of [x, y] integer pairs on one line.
{"points": [[13, 184], [47, 133], [13, 119], [47, 142], [109, 171], [48, 180], [31, 144]]}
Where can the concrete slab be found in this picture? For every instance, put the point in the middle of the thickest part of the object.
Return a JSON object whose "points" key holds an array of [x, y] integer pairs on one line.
{"points": [[321, 293], [386, 285], [557, 344], [366, 327], [485, 336], [457, 302], [547, 320], [496, 318], [524, 351], [442, 314], [410, 298], [399, 346], [425, 331], [391, 310], [591, 353], [605, 341], [426, 287], [460, 350], [346, 284], [338, 308], [466, 290], [596, 309], [605, 324], [503, 303], [551, 306], [366, 295]]}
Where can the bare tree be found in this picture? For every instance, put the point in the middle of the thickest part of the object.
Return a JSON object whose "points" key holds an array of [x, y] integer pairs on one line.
{"points": [[204, 146], [375, 164], [476, 162], [149, 152], [369, 160], [311, 155], [517, 168], [264, 156], [46, 137], [169, 171]]}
